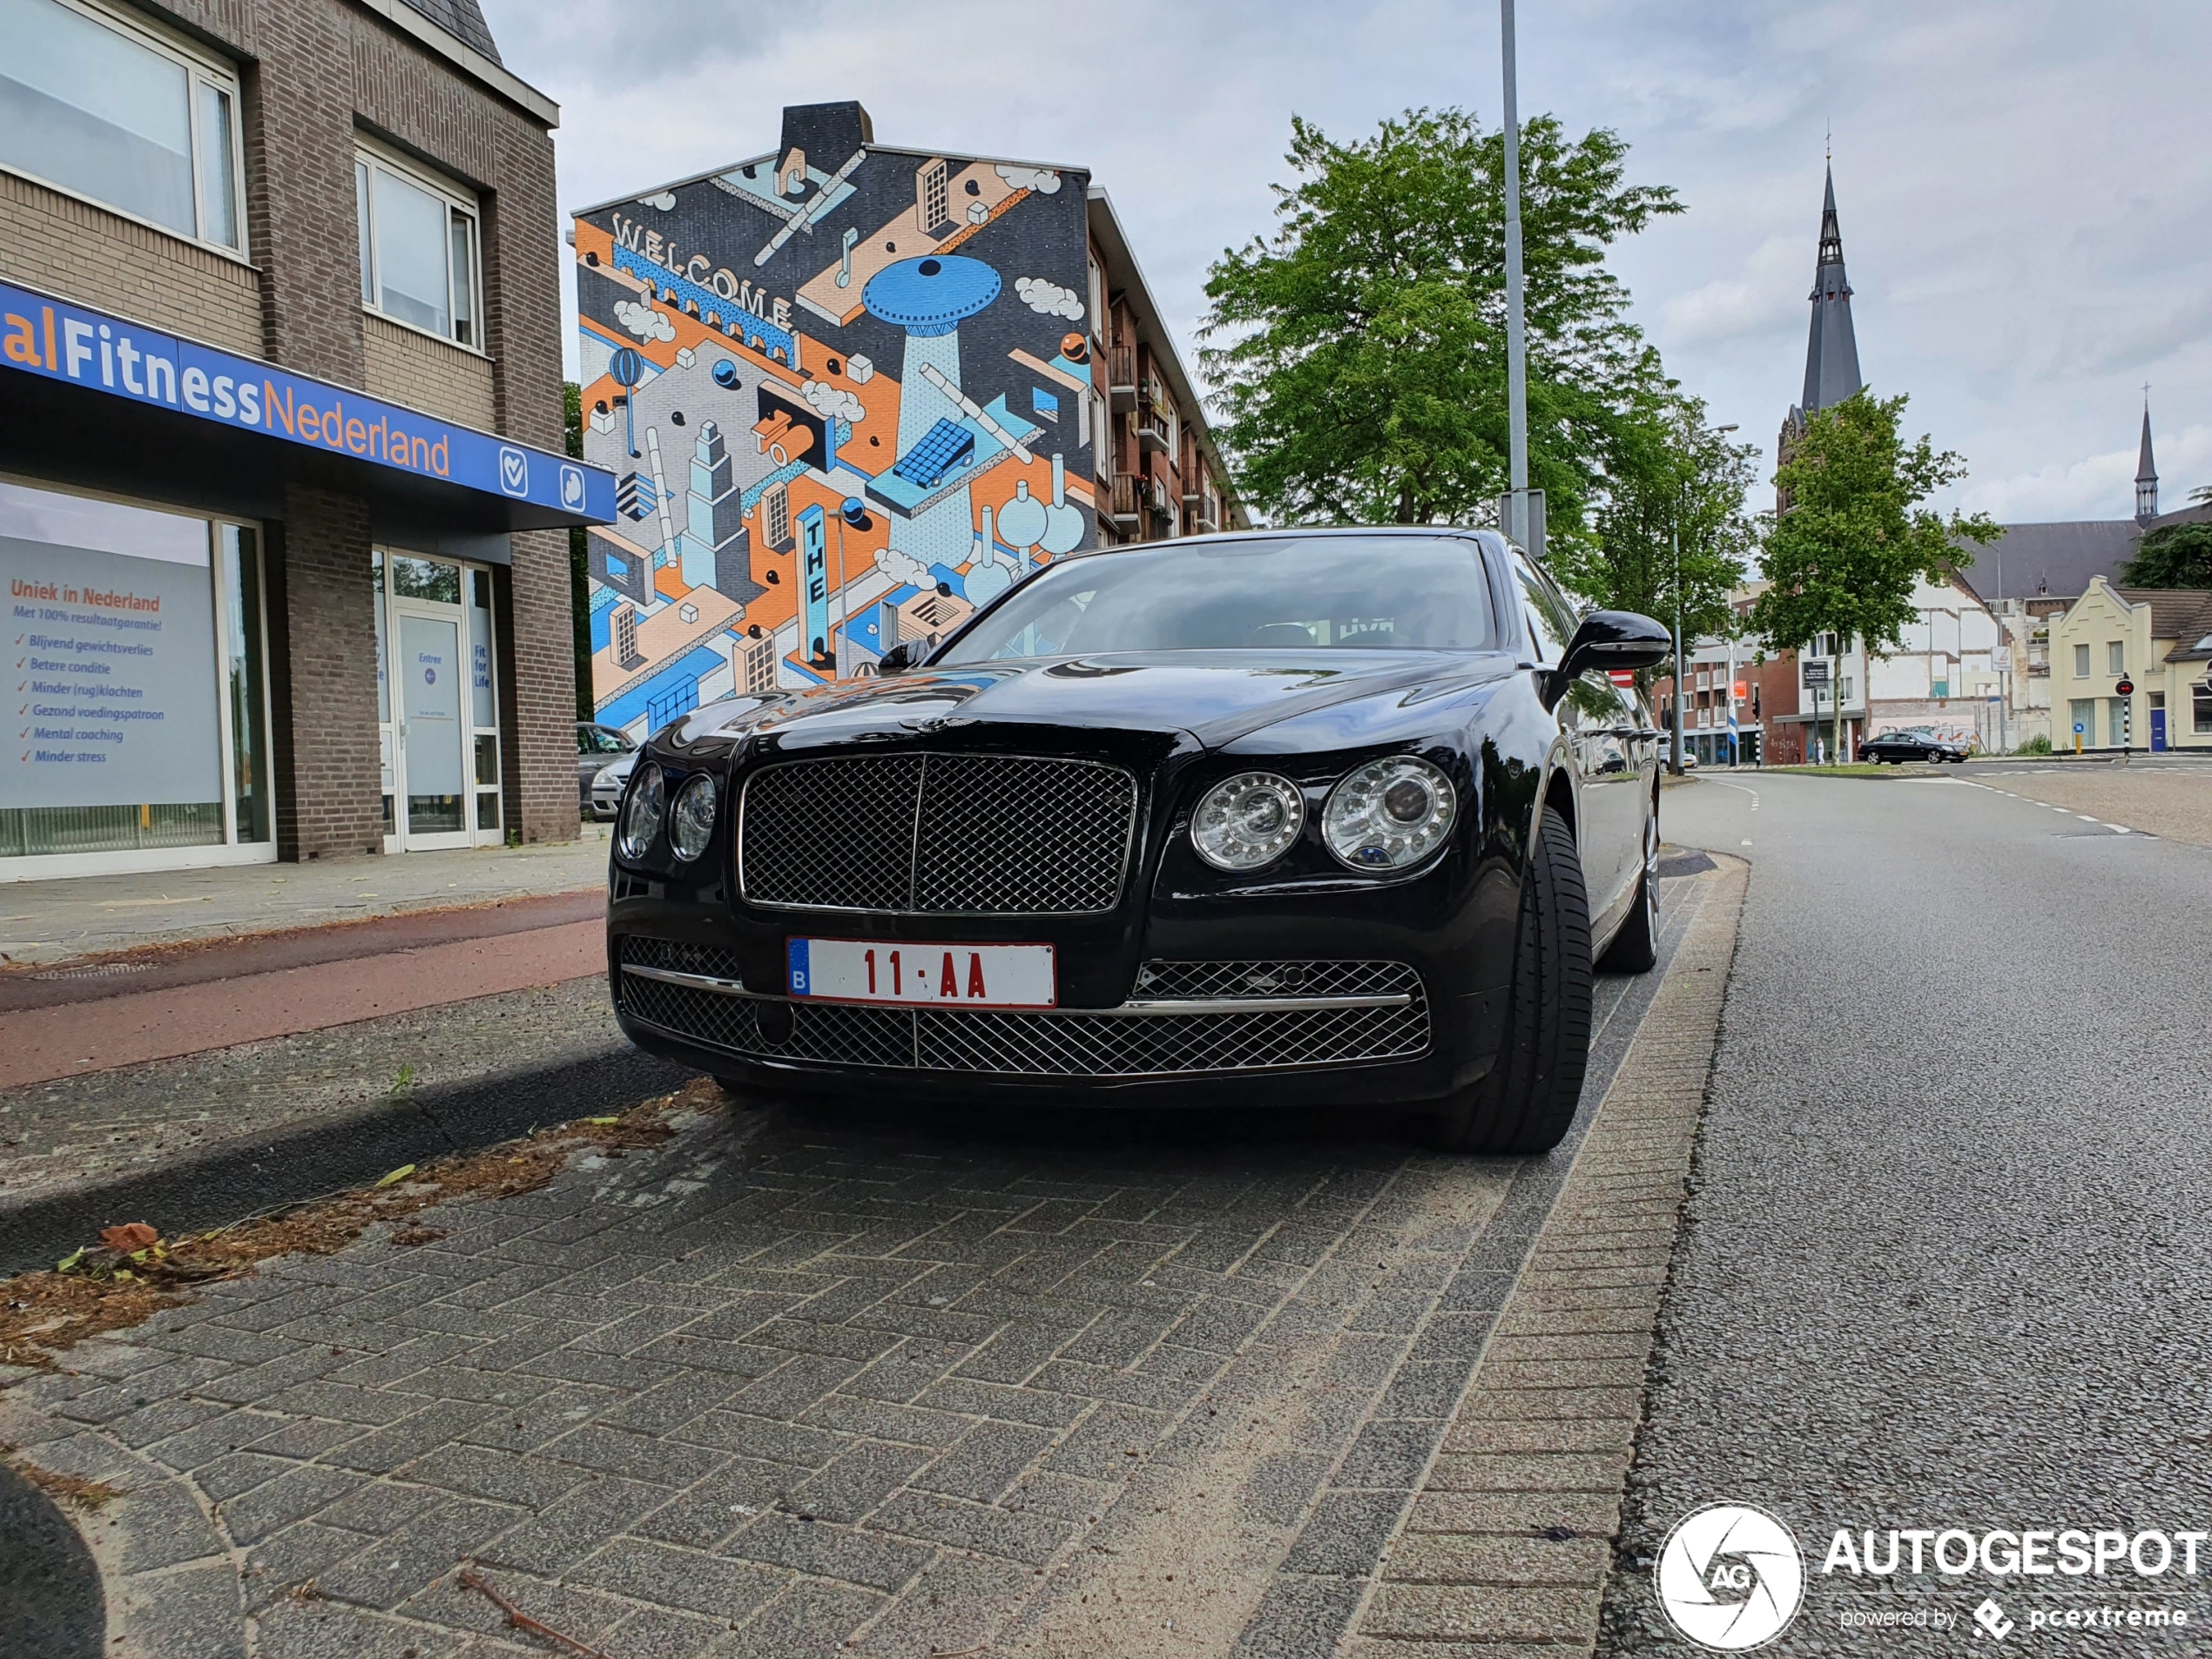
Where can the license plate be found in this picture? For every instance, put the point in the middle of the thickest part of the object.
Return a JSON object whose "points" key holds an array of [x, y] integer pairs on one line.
{"points": [[969, 976]]}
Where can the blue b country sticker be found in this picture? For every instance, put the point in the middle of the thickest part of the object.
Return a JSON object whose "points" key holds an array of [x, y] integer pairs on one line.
{"points": [[797, 963]]}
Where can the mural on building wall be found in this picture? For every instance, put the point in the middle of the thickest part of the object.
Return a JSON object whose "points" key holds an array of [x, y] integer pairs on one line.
{"points": [[846, 392]]}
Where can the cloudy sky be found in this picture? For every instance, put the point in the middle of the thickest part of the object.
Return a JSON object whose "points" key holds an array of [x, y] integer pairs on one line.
{"points": [[2024, 193]]}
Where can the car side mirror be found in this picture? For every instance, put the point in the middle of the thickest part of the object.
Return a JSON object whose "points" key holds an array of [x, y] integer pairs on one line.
{"points": [[906, 654], [1608, 640]]}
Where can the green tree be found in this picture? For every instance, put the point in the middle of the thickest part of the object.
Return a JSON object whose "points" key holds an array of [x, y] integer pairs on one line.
{"points": [[1361, 366], [1672, 538], [1855, 537], [579, 563], [2174, 556]]}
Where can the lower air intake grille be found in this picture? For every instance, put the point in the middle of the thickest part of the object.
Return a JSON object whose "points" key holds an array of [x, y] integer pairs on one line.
{"points": [[1070, 1043]]}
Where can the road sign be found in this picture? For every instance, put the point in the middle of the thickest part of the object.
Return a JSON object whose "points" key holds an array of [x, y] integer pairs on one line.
{"points": [[1622, 676], [2126, 688], [1816, 673], [2079, 728]]}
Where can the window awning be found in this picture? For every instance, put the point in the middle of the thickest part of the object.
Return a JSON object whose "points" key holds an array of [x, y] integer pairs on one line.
{"points": [[96, 399]]}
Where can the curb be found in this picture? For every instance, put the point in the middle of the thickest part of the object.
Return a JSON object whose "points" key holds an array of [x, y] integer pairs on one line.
{"points": [[1510, 1542]]}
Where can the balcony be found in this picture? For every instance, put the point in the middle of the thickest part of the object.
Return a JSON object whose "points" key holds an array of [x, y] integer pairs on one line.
{"points": [[1124, 507], [1154, 431], [1158, 499], [1121, 377]]}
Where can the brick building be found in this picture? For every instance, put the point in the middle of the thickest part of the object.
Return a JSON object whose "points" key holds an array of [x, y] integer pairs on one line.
{"points": [[282, 490]]}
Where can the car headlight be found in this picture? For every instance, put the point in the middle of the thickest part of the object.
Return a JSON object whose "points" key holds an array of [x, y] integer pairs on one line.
{"points": [[691, 825], [1389, 814], [1248, 820], [642, 813]]}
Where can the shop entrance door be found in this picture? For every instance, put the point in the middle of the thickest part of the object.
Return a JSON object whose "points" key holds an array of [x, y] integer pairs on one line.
{"points": [[436, 704], [433, 760]]}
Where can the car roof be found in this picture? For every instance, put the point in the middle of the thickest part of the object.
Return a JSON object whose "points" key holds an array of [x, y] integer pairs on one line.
{"points": [[1429, 532]]}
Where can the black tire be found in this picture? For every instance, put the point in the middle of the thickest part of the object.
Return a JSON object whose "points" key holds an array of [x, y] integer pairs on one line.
{"points": [[1528, 1102], [1635, 949]]}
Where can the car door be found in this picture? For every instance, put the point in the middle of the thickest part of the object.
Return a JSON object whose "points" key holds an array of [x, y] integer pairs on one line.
{"points": [[1600, 737]]}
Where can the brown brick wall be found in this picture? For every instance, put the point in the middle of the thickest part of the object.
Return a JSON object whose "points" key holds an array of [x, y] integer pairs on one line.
{"points": [[316, 74], [409, 367], [69, 248], [329, 793]]}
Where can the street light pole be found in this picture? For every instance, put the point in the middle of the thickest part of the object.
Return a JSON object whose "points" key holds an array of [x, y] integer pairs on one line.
{"points": [[1516, 336], [1674, 537]]}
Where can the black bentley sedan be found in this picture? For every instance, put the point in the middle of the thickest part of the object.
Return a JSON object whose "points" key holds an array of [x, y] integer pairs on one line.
{"points": [[1283, 816], [1898, 747]]}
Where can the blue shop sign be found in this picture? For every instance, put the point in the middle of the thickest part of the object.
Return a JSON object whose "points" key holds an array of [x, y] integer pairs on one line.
{"points": [[60, 342]]}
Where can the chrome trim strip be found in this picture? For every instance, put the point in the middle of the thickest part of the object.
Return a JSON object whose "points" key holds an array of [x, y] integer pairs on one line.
{"points": [[1126, 1010]]}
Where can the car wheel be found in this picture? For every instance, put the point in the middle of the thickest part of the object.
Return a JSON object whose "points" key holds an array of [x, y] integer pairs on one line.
{"points": [[1528, 1100], [1635, 949]]}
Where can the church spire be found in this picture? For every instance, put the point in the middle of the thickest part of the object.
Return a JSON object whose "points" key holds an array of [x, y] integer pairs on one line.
{"points": [[1831, 352], [2146, 472]]}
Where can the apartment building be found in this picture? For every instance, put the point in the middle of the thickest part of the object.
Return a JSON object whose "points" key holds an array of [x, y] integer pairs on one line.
{"points": [[851, 391], [283, 487]]}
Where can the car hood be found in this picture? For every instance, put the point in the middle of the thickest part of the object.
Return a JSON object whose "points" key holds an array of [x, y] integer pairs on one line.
{"points": [[1213, 696]]}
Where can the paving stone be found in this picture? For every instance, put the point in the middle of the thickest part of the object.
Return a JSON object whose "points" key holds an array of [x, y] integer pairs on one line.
{"points": [[303, 1490], [1477, 1558], [674, 1578], [809, 1620], [1346, 1534], [394, 1568], [995, 1530], [825, 1551], [291, 1557], [985, 1461], [574, 1526], [1485, 1612]]}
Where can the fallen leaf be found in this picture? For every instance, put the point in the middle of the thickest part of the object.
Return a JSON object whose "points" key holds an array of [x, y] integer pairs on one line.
{"points": [[129, 1236], [397, 1175]]}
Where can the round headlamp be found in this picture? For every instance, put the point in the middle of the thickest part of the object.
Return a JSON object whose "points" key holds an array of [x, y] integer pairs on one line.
{"points": [[691, 825], [643, 811], [1389, 814], [1248, 820]]}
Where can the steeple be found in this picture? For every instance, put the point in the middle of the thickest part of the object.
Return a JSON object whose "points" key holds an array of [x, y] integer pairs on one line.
{"points": [[1831, 352], [2146, 473]]}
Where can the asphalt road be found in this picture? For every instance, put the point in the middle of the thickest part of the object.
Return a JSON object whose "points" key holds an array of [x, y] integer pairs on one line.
{"points": [[1945, 1262]]}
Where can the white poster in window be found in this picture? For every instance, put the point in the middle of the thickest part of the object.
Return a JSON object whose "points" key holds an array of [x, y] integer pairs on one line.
{"points": [[114, 660]]}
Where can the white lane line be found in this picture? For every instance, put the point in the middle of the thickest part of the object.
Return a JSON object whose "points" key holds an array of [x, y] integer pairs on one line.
{"points": [[1739, 788]]}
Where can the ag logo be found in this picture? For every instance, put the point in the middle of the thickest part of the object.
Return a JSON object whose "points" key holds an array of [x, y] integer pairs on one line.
{"points": [[1731, 1577], [572, 488], [514, 470]]}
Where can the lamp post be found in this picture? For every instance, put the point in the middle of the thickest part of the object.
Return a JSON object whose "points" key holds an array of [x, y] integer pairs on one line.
{"points": [[1516, 328], [1674, 537]]}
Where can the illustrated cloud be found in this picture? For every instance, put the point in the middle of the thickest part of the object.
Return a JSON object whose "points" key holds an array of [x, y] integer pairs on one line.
{"points": [[1049, 298], [903, 566], [643, 320], [1043, 180], [829, 400], [665, 200]]}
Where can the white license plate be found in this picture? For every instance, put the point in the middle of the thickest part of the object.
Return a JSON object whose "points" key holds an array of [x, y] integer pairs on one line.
{"points": [[969, 976]]}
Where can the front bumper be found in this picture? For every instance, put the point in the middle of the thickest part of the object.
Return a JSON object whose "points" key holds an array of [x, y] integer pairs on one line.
{"points": [[1190, 1034]]}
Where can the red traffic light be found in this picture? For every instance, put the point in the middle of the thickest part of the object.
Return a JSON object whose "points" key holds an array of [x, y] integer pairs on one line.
{"points": [[2126, 688]]}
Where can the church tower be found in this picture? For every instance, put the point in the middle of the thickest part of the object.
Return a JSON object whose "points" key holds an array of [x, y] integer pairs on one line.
{"points": [[1831, 351], [2146, 477]]}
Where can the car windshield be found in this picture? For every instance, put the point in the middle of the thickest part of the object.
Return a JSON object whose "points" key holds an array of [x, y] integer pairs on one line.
{"points": [[1277, 593]]}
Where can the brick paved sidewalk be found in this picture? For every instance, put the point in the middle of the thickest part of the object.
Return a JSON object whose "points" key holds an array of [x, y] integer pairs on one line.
{"points": [[810, 1383]]}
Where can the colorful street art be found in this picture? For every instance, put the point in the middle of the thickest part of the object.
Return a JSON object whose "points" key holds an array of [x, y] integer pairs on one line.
{"points": [[846, 392]]}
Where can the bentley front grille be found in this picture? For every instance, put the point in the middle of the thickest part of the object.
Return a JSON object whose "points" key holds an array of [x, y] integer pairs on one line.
{"points": [[1330, 1013], [937, 834]]}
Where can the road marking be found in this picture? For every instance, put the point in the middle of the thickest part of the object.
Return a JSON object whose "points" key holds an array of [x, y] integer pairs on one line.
{"points": [[1740, 788]]}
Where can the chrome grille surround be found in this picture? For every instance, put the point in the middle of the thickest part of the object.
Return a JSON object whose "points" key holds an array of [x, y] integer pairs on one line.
{"points": [[1382, 1013], [937, 834]]}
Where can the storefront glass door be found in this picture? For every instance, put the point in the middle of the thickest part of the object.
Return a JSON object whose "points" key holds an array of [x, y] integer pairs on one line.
{"points": [[435, 704]]}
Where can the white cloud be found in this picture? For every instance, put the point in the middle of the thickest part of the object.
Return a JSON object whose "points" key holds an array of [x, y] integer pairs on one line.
{"points": [[834, 400], [903, 566], [1043, 180], [643, 322], [664, 200], [1049, 298]]}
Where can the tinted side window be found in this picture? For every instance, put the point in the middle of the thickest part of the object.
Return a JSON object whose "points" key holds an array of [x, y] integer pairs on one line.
{"points": [[1551, 620]]}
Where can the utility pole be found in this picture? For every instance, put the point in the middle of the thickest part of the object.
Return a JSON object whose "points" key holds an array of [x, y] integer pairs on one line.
{"points": [[1516, 335], [1674, 537]]}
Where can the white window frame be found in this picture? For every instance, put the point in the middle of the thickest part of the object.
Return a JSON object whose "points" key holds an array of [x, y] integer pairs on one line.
{"points": [[458, 198], [200, 67]]}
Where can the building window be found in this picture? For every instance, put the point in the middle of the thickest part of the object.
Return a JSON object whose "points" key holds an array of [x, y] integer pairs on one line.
{"points": [[2115, 657], [2081, 662], [147, 737], [111, 110], [2201, 709], [419, 260], [2081, 717], [2117, 723]]}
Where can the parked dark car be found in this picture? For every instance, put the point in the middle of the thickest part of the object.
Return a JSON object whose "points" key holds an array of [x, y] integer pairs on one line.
{"points": [[597, 748], [1898, 747], [1296, 816]]}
